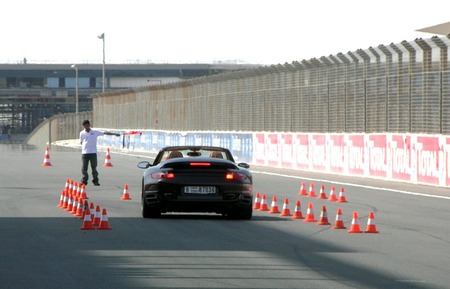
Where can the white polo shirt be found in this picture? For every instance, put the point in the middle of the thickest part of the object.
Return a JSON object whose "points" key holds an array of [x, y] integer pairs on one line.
{"points": [[88, 141]]}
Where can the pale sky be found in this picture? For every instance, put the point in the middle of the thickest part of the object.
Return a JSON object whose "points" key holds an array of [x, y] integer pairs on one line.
{"points": [[207, 31]]}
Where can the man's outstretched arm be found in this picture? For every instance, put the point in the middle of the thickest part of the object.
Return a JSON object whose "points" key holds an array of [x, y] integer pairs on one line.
{"points": [[111, 133]]}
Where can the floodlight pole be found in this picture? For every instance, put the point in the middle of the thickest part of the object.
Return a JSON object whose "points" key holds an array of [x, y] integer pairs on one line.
{"points": [[102, 36], [76, 87]]}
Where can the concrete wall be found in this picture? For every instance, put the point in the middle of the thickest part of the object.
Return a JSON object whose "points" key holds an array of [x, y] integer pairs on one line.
{"points": [[58, 127]]}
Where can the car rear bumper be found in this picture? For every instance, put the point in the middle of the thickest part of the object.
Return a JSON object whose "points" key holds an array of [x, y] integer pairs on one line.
{"points": [[170, 198]]}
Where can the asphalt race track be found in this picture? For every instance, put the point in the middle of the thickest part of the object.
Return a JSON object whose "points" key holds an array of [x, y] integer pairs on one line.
{"points": [[42, 245]]}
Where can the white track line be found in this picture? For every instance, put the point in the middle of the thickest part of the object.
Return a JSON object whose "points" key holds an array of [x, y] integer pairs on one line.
{"points": [[355, 185]]}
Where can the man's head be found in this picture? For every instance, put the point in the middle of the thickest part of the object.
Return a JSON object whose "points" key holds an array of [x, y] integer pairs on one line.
{"points": [[86, 125]]}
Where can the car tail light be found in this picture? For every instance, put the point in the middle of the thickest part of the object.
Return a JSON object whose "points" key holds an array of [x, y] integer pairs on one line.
{"points": [[200, 164], [230, 176], [163, 175]]}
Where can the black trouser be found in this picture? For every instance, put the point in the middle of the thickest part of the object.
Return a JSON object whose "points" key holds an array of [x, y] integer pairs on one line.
{"points": [[86, 158]]}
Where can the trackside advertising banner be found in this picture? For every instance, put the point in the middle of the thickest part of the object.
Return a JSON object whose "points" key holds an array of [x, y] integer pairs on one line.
{"points": [[400, 157], [412, 158], [240, 144]]}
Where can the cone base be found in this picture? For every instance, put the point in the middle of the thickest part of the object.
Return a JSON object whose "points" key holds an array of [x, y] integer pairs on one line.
{"points": [[371, 229], [108, 228], [323, 223], [309, 220], [87, 228], [354, 230], [339, 224], [264, 209], [107, 165]]}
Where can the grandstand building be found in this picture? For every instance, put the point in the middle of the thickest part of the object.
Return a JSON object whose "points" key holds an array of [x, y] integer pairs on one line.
{"points": [[30, 93]]}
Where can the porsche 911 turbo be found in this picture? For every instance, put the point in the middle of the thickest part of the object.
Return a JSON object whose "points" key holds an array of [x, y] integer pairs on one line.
{"points": [[196, 179]]}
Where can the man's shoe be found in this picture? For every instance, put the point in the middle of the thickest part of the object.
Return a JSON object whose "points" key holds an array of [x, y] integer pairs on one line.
{"points": [[83, 182], [96, 184]]}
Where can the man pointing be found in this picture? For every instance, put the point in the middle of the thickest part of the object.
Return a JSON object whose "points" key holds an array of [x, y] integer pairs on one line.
{"points": [[88, 140]]}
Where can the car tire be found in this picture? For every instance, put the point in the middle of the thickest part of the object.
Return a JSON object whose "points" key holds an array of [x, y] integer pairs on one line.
{"points": [[246, 214], [150, 212], [147, 211], [241, 213]]}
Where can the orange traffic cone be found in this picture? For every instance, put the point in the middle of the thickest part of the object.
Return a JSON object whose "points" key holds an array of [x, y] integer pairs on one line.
{"points": [[46, 162], [274, 206], [92, 210], [303, 190], [257, 203], [286, 212], [332, 197], [75, 205], [65, 200], [342, 198], [76, 189], [67, 186], [354, 228], [73, 187], [80, 208], [104, 223], [322, 194], [87, 222], [310, 214], [61, 199], [311, 193], [97, 216], [125, 195], [339, 223], [69, 206], [83, 193], [297, 211], [107, 159], [263, 206], [371, 227], [323, 217], [85, 207]]}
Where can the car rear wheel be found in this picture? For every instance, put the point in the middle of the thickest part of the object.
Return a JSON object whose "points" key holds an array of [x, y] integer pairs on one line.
{"points": [[241, 213], [149, 211]]}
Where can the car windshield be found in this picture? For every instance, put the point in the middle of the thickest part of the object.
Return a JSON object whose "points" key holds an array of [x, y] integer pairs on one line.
{"points": [[184, 152]]}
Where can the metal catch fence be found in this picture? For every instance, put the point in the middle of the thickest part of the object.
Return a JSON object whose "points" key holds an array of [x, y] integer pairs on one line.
{"points": [[401, 87]]}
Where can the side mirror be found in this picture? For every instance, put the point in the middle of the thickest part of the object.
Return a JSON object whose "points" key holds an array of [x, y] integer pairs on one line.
{"points": [[144, 165], [244, 165]]}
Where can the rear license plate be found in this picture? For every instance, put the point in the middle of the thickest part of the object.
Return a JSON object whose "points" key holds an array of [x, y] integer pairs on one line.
{"points": [[203, 190]]}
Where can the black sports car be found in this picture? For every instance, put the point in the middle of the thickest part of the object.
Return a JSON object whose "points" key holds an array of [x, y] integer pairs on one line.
{"points": [[196, 179]]}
